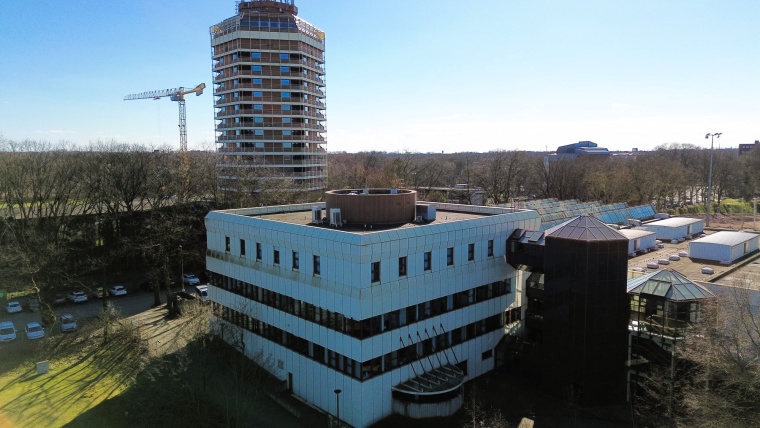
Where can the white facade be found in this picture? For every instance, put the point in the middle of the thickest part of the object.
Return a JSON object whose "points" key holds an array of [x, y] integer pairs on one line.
{"points": [[724, 246], [350, 314], [676, 228], [639, 240]]}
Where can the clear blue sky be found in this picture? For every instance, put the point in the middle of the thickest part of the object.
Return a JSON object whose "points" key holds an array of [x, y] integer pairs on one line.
{"points": [[422, 75]]}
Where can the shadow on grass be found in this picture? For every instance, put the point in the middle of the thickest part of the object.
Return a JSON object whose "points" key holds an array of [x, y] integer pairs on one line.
{"points": [[202, 386]]}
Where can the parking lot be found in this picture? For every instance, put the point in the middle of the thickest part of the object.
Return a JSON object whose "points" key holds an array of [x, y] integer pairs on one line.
{"points": [[126, 306]]}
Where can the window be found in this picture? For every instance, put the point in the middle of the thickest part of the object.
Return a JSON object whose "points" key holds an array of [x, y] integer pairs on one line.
{"points": [[402, 266], [295, 260], [234, 69], [258, 132], [258, 94], [287, 132], [450, 256], [486, 355], [427, 260], [227, 244], [234, 56], [375, 272], [258, 120], [256, 68], [258, 106], [470, 252], [285, 69], [286, 94], [286, 120], [255, 54], [258, 251], [277, 257], [285, 82], [317, 267], [490, 248], [242, 248], [286, 108], [284, 56], [256, 81]]}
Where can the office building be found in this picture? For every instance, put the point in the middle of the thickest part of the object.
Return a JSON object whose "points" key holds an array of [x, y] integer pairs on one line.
{"points": [[394, 303], [269, 97]]}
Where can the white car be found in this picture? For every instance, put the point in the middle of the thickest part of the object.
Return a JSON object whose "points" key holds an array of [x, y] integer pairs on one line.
{"points": [[202, 291], [77, 297], [34, 331], [190, 279], [7, 331], [117, 290], [68, 322], [13, 307]]}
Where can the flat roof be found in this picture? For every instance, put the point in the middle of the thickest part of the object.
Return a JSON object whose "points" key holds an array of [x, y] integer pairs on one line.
{"points": [[725, 237], [635, 233], [674, 222], [303, 218]]}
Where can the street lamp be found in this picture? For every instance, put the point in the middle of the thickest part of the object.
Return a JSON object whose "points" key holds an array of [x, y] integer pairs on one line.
{"points": [[709, 177], [182, 268], [337, 405]]}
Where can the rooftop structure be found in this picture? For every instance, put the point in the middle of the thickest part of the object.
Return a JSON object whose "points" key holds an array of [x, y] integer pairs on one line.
{"points": [[724, 246], [554, 212], [676, 229], [269, 95]]}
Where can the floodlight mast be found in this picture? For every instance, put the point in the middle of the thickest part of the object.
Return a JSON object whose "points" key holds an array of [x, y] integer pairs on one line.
{"points": [[709, 176]]}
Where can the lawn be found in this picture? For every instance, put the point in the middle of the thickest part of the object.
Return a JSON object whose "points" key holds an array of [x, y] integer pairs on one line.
{"points": [[83, 373], [151, 372]]}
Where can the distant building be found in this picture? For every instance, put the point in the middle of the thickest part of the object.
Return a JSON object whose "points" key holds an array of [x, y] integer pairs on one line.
{"points": [[269, 96], [572, 151], [746, 148]]}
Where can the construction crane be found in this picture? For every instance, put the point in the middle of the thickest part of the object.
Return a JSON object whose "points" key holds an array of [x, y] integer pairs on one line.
{"points": [[176, 94]]}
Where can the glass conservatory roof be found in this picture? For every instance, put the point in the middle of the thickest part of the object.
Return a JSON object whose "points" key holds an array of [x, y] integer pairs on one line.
{"points": [[669, 284]]}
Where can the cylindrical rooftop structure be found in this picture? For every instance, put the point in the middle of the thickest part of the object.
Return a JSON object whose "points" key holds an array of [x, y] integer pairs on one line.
{"points": [[373, 206]]}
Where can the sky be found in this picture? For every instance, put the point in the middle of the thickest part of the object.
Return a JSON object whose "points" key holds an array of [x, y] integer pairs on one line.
{"points": [[420, 76]]}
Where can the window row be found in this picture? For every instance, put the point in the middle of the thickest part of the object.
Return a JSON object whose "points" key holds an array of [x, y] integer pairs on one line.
{"points": [[407, 354], [368, 327], [427, 261]]}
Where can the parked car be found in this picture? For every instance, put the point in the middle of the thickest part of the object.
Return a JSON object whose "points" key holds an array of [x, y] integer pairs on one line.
{"points": [[202, 291], [67, 322], [99, 293], [59, 299], [7, 331], [190, 279], [117, 290], [77, 297], [13, 306], [34, 331], [33, 304]]}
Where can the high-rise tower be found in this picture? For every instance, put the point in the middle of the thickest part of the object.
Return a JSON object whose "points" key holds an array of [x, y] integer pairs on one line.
{"points": [[269, 96]]}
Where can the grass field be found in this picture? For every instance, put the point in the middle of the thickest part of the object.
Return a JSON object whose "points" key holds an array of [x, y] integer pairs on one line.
{"points": [[83, 373], [152, 372]]}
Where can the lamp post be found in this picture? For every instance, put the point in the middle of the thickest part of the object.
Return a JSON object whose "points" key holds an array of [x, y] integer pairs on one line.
{"points": [[337, 405], [709, 176], [182, 268]]}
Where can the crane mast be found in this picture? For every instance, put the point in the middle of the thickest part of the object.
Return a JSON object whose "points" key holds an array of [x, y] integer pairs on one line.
{"points": [[175, 94]]}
